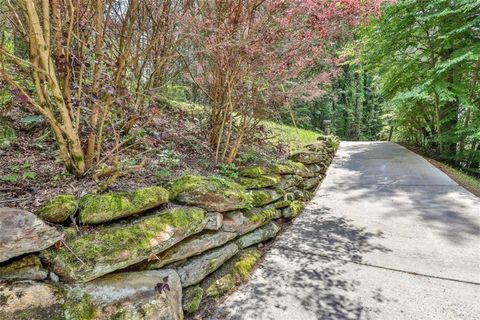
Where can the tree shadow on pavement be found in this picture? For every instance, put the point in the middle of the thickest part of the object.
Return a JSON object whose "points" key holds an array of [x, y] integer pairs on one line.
{"points": [[304, 274]]}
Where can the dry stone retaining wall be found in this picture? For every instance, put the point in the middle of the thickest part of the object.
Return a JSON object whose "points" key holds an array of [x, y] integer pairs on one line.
{"points": [[139, 252]]}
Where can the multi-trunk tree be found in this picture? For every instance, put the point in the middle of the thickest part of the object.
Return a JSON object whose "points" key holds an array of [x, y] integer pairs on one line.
{"points": [[91, 68]]}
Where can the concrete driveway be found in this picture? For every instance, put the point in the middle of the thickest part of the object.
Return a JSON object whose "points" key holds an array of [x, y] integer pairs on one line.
{"points": [[388, 236]]}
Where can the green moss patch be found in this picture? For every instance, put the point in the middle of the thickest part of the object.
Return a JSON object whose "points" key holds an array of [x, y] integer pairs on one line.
{"points": [[211, 193], [58, 209], [79, 307], [191, 299], [91, 255], [115, 205]]}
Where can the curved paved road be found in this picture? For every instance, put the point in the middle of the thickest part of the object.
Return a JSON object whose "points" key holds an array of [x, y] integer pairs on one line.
{"points": [[388, 236]]}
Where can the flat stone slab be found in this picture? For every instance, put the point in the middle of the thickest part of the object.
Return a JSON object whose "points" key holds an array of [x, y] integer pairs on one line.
{"points": [[23, 232]]}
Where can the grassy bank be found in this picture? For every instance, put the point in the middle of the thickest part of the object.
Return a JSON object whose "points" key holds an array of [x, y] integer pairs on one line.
{"points": [[294, 138]]}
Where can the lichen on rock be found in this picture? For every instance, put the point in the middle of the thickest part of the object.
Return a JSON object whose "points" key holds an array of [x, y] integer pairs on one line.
{"points": [[58, 209], [211, 193], [107, 249], [115, 205]]}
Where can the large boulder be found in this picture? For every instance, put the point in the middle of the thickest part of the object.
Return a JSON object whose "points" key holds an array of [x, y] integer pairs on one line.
{"points": [[26, 268], [211, 193], [197, 268], [115, 205], [261, 234], [191, 246], [263, 181], [23, 232], [263, 197], [155, 294], [89, 256], [59, 208]]}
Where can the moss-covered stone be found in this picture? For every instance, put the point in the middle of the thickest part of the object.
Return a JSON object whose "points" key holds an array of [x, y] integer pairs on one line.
{"points": [[307, 157], [289, 181], [191, 299], [58, 209], [234, 272], [27, 268], [260, 215], [211, 193], [263, 197], [310, 183], [293, 210], [221, 286], [302, 195], [253, 172], [281, 204], [115, 205], [92, 255], [287, 167], [245, 264], [263, 181]]}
